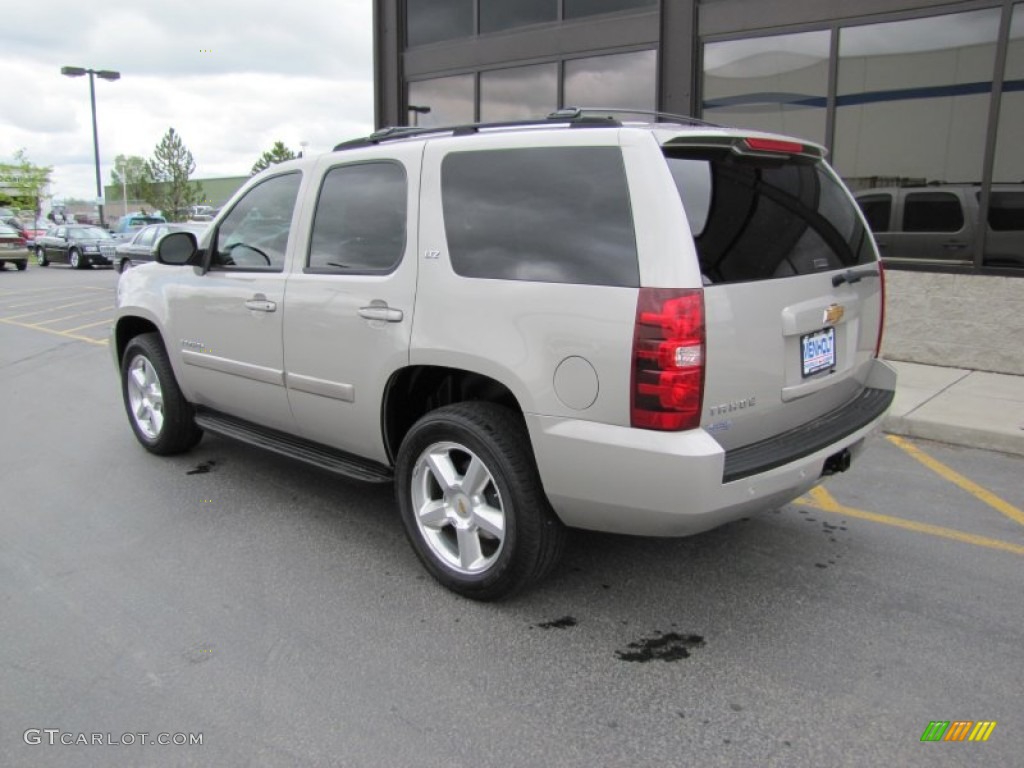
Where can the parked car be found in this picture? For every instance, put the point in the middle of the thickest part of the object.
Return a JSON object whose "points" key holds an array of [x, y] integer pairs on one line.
{"points": [[939, 224], [142, 247], [12, 248], [74, 244], [128, 226], [647, 329], [34, 228]]}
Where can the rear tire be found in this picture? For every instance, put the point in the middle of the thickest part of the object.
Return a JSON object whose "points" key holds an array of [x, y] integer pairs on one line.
{"points": [[472, 502], [21, 265], [162, 419]]}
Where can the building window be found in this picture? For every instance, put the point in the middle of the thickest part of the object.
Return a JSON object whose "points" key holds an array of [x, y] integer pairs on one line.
{"points": [[520, 93], [431, 21], [912, 100], [777, 83], [624, 80], [496, 15], [449, 99], [1009, 165], [575, 8]]}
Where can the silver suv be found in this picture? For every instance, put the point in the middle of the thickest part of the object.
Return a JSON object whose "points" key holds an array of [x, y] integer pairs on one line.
{"points": [[647, 329]]}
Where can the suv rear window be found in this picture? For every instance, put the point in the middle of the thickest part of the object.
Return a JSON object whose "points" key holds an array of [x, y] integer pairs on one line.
{"points": [[758, 218], [547, 214]]}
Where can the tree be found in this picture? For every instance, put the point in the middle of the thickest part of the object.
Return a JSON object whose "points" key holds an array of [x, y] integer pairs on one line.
{"points": [[277, 154], [131, 173], [23, 182], [170, 168]]}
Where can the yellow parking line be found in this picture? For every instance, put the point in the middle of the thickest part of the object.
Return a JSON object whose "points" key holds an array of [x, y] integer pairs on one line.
{"points": [[90, 325], [48, 309], [68, 317], [959, 480], [66, 335], [17, 291], [819, 498]]}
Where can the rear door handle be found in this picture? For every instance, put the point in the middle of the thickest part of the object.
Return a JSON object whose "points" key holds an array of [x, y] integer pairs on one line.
{"points": [[954, 246], [379, 310], [259, 303]]}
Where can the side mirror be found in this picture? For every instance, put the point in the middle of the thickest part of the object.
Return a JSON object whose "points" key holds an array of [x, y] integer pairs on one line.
{"points": [[177, 248]]}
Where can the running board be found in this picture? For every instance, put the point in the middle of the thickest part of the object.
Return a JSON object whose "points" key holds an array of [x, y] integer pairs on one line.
{"points": [[306, 451]]}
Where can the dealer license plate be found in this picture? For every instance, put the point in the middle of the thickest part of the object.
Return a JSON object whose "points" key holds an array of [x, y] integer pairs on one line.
{"points": [[819, 351]]}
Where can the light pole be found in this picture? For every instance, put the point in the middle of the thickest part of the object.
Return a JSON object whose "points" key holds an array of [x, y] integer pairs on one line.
{"points": [[416, 112], [103, 74]]}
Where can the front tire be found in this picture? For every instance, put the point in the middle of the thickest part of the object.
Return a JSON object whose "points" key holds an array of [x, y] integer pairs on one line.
{"points": [[472, 502], [41, 259], [124, 265], [162, 419], [75, 259]]}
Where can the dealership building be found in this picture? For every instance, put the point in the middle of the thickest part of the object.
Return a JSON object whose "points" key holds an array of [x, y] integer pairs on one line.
{"points": [[920, 104]]}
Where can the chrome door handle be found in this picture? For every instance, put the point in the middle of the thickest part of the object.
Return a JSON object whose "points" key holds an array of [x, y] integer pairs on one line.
{"points": [[260, 303], [381, 311]]}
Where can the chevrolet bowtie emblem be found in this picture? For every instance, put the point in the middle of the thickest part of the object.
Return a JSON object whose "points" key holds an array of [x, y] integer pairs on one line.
{"points": [[833, 314]]}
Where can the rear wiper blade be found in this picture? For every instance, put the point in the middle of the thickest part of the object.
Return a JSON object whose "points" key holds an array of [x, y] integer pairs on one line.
{"points": [[852, 276]]}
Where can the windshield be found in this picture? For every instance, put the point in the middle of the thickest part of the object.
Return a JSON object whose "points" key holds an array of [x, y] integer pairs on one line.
{"points": [[758, 218]]}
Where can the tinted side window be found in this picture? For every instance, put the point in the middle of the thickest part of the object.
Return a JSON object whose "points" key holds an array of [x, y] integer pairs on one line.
{"points": [[877, 210], [254, 236], [1006, 211], [932, 212], [548, 214], [146, 236], [359, 223]]}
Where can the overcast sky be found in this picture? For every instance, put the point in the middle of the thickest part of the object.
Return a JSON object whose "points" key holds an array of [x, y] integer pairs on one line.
{"points": [[230, 76]]}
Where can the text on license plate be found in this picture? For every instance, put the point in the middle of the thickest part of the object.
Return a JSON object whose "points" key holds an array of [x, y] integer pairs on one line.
{"points": [[818, 351]]}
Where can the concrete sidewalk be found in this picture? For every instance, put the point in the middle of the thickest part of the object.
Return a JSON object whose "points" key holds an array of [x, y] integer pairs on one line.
{"points": [[962, 407]]}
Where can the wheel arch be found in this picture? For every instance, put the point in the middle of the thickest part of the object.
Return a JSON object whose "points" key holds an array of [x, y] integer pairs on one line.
{"points": [[416, 390]]}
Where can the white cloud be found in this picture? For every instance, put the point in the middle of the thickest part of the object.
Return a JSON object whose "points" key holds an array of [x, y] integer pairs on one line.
{"points": [[271, 73]]}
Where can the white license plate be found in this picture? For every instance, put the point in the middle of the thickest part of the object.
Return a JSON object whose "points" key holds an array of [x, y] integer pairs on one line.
{"points": [[818, 351]]}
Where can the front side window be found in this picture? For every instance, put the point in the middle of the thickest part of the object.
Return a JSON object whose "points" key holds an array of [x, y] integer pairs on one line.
{"points": [[146, 236], [547, 214], [932, 212], [359, 225], [254, 236]]}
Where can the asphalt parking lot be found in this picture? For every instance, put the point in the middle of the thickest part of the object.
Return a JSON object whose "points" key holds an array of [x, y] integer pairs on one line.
{"points": [[278, 612]]}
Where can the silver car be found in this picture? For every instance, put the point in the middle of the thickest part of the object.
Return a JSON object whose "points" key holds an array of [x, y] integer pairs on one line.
{"points": [[646, 329]]}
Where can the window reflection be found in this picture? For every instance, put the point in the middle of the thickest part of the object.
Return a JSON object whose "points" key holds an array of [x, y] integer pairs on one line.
{"points": [[496, 15], [912, 100], [624, 80], [1009, 166], [521, 93], [430, 21], [777, 83], [574, 8], [450, 100]]}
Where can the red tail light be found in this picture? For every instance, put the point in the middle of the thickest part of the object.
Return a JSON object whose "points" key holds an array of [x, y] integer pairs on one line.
{"points": [[668, 359], [881, 314], [774, 145]]}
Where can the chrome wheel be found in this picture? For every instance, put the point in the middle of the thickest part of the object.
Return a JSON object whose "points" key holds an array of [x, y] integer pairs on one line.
{"points": [[41, 259], [75, 259], [145, 397], [458, 508]]}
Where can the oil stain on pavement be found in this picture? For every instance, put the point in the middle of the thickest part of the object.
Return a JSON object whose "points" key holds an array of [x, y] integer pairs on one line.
{"points": [[666, 647]]}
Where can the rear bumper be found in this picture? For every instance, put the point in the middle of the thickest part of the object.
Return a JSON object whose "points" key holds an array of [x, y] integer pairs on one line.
{"points": [[640, 482]]}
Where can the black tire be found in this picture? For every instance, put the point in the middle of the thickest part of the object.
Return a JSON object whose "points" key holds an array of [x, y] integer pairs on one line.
{"points": [[75, 259], [124, 265], [21, 265], [41, 259], [177, 431], [533, 537]]}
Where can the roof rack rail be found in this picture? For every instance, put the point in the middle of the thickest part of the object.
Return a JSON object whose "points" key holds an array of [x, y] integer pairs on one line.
{"points": [[578, 112], [574, 117]]}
